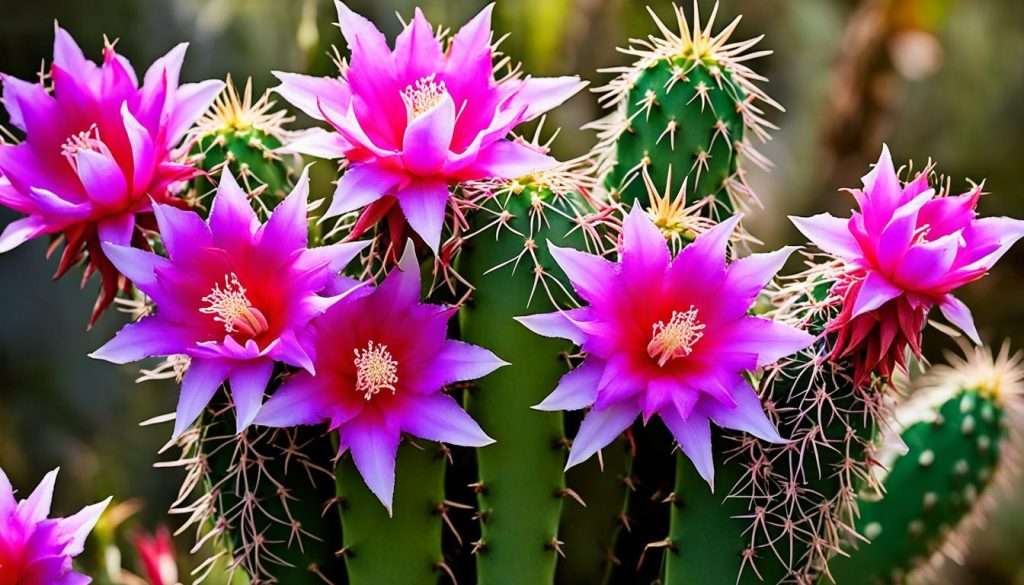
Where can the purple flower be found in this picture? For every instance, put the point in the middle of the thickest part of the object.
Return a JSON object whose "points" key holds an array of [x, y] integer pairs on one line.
{"points": [[234, 296], [382, 359], [98, 150], [907, 249], [416, 119], [35, 549], [667, 336]]}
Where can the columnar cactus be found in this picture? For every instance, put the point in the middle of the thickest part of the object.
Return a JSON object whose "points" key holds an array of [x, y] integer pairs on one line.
{"points": [[335, 390]]}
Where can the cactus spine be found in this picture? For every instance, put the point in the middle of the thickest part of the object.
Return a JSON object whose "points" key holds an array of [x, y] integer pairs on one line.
{"points": [[403, 548], [521, 481], [957, 434], [241, 135]]}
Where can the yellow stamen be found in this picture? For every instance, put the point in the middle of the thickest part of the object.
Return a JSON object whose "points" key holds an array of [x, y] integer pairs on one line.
{"points": [[676, 338], [230, 306], [376, 370]]}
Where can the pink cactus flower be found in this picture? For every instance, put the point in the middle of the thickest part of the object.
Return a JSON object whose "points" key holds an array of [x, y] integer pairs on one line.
{"points": [[235, 296], [36, 549], [98, 149], [907, 250], [414, 120], [667, 336], [382, 360], [156, 554]]}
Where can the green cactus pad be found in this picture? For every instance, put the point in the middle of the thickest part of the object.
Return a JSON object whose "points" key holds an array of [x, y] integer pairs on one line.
{"points": [[406, 547], [683, 118], [954, 445], [521, 479]]}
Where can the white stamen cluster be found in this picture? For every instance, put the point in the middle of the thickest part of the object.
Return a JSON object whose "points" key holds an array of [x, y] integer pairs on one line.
{"points": [[88, 139], [230, 306], [676, 338], [376, 370], [423, 95]]}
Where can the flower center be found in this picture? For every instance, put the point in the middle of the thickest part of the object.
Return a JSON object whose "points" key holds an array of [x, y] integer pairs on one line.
{"points": [[422, 96], [376, 370], [230, 306], [676, 338], [88, 139]]}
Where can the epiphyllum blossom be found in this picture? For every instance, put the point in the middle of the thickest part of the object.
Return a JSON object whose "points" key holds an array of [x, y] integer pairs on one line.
{"points": [[35, 549], [382, 360], [97, 151], [667, 336], [908, 250], [235, 296], [417, 119]]}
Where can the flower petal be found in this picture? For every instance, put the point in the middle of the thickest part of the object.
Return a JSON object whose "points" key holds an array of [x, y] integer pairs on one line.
{"points": [[316, 142], [462, 361], [694, 437], [102, 178], [575, 390], [299, 401], [542, 94], [146, 338], [303, 91], [590, 275], [232, 219], [361, 185], [200, 383], [959, 314], [20, 231], [559, 324], [506, 159], [286, 230], [747, 415], [75, 529], [36, 507], [374, 449], [423, 203], [875, 291], [417, 51], [440, 418], [598, 429], [428, 137], [143, 151], [137, 265], [184, 233], [644, 252], [768, 340], [248, 384], [831, 234], [190, 102]]}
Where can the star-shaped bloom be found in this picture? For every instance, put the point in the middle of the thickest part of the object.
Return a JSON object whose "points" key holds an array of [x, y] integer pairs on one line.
{"points": [[36, 549], [413, 120], [907, 249], [235, 296], [382, 361], [667, 336], [98, 149]]}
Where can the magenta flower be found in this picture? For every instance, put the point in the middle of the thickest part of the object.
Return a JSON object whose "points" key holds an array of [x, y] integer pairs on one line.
{"points": [[98, 150], [908, 250], [35, 549], [382, 360], [417, 119], [667, 336], [235, 296]]}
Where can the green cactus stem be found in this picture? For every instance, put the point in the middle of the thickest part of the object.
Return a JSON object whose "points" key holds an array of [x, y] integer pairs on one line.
{"points": [[264, 493], [406, 547], [590, 527], [684, 112], [242, 136], [521, 481], [955, 432]]}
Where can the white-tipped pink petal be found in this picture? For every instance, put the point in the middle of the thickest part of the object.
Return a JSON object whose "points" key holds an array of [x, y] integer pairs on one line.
{"points": [[76, 528], [507, 159], [36, 507], [374, 450], [831, 234], [599, 428], [559, 324], [316, 142], [542, 94], [954, 310], [303, 91], [191, 101]]}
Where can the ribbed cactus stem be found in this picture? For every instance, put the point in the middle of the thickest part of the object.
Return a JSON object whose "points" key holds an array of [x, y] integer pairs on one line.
{"points": [[591, 525], [953, 439], [242, 136], [521, 484], [405, 547]]}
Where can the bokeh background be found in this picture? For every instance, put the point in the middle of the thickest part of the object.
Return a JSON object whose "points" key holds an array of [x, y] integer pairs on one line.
{"points": [[932, 78]]}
